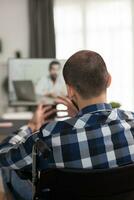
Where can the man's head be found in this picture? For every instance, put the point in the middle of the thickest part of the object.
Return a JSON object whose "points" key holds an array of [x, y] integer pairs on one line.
{"points": [[85, 74], [54, 68]]}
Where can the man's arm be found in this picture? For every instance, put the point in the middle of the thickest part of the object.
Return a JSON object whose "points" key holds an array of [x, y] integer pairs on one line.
{"points": [[19, 155], [16, 150]]}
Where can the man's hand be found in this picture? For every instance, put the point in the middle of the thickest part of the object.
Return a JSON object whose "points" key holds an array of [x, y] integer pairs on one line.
{"points": [[71, 108], [40, 117]]}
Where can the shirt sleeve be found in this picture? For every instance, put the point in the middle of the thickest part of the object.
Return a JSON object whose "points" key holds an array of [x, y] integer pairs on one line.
{"points": [[13, 150], [16, 150], [17, 137]]}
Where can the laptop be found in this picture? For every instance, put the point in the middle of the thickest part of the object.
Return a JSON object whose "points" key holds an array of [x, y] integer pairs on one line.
{"points": [[24, 90]]}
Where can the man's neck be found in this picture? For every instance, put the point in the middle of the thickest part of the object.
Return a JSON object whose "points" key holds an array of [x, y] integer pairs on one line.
{"points": [[97, 100]]}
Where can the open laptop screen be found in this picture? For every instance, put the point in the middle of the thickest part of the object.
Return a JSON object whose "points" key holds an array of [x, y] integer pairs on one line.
{"points": [[35, 80]]}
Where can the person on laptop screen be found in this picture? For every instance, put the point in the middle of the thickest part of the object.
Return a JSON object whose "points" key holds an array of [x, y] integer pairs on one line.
{"points": [[51, 85]]}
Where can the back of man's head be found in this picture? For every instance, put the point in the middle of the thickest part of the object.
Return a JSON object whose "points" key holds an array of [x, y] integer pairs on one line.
{"points": [[86, 72]]}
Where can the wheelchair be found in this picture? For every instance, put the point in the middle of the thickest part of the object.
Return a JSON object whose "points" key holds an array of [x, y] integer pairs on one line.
{"points": [[81, 184], [78, 184]]}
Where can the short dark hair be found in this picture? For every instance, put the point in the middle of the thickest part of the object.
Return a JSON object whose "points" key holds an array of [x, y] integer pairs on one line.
{"points": [[86, 71], [54, 62]]}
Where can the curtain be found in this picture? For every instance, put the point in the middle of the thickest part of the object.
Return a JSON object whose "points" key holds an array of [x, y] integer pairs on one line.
{"points": [[105, 26], [42, 34]]}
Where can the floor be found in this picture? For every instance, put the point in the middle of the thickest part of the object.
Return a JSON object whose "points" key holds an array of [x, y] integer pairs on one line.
{"points": [[2, 195]]}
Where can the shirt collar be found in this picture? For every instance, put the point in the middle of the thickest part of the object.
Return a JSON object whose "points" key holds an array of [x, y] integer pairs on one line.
{"points": [[95, 108]]}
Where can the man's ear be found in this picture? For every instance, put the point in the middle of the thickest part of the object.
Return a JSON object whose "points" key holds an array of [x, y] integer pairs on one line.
{"points": [[109, 81], [70, 91]]}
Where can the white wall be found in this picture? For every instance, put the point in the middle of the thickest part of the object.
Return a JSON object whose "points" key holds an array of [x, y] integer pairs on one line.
{"points": [[14, 33], [14, 30]]}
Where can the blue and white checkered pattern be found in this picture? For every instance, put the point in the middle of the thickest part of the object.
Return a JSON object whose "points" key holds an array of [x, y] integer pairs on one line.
{"points": [[98, 137]]}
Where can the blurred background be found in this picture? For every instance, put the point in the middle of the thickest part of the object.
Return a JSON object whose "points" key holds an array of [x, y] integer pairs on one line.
{"points": [[59, 28]]}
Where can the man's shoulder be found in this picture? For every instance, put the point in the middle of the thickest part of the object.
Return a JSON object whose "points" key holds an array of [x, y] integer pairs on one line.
{"points": [[125, 115], [58, 126]]}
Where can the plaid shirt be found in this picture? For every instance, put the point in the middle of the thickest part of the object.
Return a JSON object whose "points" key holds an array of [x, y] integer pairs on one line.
{"points": [[98, 137]]}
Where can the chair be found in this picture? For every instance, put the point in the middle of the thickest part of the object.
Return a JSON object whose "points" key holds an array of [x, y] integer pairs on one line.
{"points": [[85, 184]]}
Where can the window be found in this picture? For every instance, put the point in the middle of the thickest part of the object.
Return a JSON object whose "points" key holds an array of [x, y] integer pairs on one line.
{"points": [[105, 27]]}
